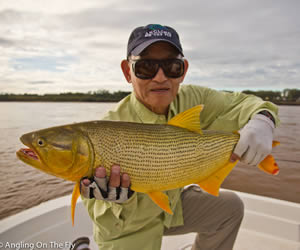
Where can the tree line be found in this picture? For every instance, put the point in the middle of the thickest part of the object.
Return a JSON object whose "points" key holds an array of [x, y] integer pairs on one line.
{"points": [[287, 96], [95, 96]]}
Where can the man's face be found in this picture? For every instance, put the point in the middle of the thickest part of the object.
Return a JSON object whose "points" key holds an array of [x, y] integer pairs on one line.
{"points": [[158, 92]]}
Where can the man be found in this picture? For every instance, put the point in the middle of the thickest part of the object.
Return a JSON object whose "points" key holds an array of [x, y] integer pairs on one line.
{"points": [[123, 219]]}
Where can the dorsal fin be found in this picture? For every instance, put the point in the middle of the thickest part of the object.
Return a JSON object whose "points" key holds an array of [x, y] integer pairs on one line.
{"points": [[189, 119]]}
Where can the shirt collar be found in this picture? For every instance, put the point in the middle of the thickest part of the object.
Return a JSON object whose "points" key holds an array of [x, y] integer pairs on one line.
{"points": [[145, 115]]}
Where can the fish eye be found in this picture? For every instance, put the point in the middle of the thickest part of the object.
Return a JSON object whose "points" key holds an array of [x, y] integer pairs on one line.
{"points": [[41, 142]]}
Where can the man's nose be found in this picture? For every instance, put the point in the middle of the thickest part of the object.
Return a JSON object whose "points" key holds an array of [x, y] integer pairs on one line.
{"points": [[160, 76]]}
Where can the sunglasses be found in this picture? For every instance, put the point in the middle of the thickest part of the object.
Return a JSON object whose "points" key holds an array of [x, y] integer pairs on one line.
{"points": [[148, 68]]}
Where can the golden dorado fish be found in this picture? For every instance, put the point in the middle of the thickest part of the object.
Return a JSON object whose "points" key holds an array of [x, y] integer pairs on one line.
{"points": [[156, 157]]}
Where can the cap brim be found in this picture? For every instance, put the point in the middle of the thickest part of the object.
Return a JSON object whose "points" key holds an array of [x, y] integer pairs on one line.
{"points": [[140, 48]]}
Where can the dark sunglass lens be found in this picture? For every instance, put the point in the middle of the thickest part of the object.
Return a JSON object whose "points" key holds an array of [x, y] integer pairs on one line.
{"points": [[145, 69], [173, 68]]}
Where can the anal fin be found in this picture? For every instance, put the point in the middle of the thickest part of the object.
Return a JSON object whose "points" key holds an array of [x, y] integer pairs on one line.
{"points": [[162, 200], [213, 183]]}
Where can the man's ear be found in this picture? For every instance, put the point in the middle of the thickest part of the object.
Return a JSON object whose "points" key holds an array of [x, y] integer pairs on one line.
{"points": [[125, 66]]}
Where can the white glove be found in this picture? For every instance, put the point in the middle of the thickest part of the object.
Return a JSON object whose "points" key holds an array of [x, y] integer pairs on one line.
{"points": [[256, 139], [99, 190]]}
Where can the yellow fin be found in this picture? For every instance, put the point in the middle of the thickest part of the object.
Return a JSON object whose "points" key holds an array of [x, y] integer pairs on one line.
{"points": [[75, 195], [189, 119], [213, 183], [162, 200], [269, 165]]}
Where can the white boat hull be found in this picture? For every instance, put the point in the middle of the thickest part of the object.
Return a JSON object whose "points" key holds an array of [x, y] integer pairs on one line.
{"points": [[269, 224]]}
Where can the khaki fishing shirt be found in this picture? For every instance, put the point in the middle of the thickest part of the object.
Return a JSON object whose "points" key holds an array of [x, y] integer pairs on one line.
{"points": [[139, 223]]}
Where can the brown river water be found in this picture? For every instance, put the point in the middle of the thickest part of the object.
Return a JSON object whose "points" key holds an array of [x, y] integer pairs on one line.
{"points": [[23, 187]]}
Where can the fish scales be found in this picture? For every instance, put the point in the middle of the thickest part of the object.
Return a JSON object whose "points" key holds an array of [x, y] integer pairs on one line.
{"points": [[154, 155]]}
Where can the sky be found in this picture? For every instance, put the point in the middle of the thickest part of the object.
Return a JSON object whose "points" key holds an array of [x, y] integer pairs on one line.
{"points": [[76, 46]]}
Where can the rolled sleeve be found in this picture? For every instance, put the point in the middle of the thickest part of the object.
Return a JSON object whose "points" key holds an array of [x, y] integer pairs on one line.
{"points": [[226, 111]]}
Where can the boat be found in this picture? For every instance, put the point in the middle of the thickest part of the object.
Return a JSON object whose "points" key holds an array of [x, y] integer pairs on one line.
{"points": [[268, 224]]}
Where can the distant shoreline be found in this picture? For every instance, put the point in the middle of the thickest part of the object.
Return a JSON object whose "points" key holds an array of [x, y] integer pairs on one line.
{"points": [[97, 96], [112, 101], [287, 103], [115, 101], [286, 97]]}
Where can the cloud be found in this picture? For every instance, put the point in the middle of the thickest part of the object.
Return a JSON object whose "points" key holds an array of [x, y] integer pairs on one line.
{"points": [[78, 45], [40, 82], [49, 63], [6, 42]]}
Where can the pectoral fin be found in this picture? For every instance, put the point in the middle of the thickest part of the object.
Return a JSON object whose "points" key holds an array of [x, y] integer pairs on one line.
{"points": [[162, 200], [213, 183], [75, 195]]}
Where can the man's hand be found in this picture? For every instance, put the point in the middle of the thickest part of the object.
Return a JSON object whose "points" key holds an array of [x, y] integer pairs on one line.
{"points": [[255, 141], [117, 189]]}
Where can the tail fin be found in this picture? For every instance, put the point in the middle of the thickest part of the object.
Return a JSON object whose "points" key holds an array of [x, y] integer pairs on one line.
{"points": [[269, 164]]}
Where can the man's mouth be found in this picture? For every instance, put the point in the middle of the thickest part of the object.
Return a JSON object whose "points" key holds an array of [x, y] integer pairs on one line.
{"points": [[160, 90]]}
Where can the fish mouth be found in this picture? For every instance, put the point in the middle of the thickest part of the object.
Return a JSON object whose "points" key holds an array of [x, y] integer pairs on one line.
{"points": [[28, 153], [31, 158]]}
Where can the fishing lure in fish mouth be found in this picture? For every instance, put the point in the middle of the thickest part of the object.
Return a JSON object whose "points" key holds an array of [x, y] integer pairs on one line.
{"points": [[157, 157]]}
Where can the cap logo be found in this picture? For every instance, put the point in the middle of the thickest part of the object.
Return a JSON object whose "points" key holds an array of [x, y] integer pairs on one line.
{"points": [[157, 30], [158, 33]]}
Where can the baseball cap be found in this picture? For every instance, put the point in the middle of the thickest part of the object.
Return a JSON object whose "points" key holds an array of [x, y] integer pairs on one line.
{"points": [[144, 36]]}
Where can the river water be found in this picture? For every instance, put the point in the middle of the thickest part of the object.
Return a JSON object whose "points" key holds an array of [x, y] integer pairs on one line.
{"points": [[23, 187]]}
